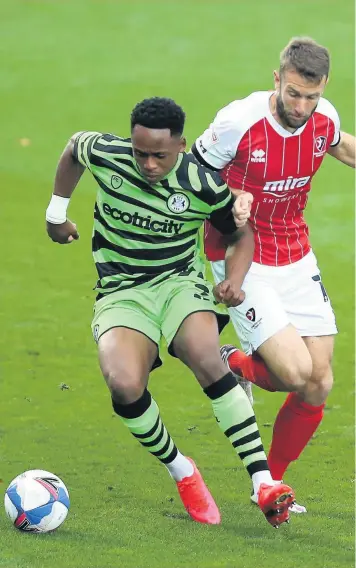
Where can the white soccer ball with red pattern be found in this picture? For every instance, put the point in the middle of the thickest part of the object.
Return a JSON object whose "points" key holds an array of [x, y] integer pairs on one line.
{"points": [[37, 501]]}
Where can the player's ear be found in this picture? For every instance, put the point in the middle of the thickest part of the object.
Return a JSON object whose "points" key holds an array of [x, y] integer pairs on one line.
{"points": [[276, 79], [183, 144]]}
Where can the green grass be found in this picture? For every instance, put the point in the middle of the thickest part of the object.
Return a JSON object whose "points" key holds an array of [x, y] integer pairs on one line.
{"points": [[72, 65]]}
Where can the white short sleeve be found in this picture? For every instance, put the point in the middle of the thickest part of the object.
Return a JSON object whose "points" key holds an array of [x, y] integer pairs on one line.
{"points": [[218, 144], [325, 107], [336, 121]]}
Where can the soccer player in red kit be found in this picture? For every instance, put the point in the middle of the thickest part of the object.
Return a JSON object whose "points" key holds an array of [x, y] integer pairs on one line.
{"points": [[268, 147]]}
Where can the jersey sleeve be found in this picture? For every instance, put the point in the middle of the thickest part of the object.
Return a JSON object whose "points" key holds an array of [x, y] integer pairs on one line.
{"points": [[83, 145], [326, 108], [336, 120], [221, 216], [220, 202], [217, 146]]}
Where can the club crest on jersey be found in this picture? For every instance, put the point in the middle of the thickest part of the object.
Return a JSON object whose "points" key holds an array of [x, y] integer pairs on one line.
{"points": [[251, 314], [178, 203], [116, 182], [319, 145]]}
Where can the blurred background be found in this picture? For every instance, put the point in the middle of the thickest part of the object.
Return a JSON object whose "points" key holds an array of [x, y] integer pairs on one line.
{"points": [[83, 65]]}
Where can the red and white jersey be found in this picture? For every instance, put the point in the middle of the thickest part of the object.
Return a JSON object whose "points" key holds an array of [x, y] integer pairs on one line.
{"points": [[256, 154]]}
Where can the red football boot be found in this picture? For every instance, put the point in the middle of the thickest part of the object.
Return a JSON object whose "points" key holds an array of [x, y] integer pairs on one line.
{"points": [[197, 498], [274, 502]]}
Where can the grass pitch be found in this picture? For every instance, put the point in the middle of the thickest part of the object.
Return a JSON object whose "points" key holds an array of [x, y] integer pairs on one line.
{"points": [[73, 65]]}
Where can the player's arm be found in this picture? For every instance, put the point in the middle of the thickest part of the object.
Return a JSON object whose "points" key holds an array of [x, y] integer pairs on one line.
{"points": [[72, 163], [238, 257], [345, 149], [217, 147], [212, 154]]}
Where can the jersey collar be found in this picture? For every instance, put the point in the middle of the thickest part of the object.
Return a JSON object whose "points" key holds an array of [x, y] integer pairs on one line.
{"points": [[177, 164]]}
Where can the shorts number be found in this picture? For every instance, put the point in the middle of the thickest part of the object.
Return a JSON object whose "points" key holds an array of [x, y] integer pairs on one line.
{"points": [[317, 278], [204, 292]]}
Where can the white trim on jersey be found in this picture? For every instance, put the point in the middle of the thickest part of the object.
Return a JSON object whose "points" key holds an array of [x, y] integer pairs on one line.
{"points": [[312, 148], [273, 233], [326, 108], [285, 224], [327, 129], [283, 154], [257, 232], [296, 224], [266, 160], [249, 158], [305, 204], [228, 172]]}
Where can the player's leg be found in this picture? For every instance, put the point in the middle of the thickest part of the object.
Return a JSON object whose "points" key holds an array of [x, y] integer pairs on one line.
{"points": [[275, 357], [218, 272], [286, 358], [193, 336], [274, 365], [302, 366], [126, 358], [310, 311], [302, 412], [320, 384], [281, 363]]}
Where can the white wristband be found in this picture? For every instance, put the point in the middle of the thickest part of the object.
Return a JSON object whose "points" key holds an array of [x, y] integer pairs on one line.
{"points": [[56, 212]]}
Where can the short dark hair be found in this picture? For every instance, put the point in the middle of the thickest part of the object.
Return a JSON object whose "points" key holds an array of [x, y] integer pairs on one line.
{"points": [[159, 112], [307, 58]]}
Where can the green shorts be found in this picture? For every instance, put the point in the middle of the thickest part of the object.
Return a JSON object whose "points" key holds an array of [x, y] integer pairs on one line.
{"points": [[157, 311]]}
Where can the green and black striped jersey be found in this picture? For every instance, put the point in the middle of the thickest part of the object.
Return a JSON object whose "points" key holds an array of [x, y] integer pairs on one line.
{"points": [[144, 233]]}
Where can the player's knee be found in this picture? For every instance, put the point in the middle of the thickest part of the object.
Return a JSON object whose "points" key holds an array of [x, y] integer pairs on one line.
{"points": [[322, 381], [125, 387], [297, 375]]}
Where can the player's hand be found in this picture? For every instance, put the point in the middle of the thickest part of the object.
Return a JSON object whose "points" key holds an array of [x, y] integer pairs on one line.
{"points": [[64, 233], [228, 293], [242, 208]]}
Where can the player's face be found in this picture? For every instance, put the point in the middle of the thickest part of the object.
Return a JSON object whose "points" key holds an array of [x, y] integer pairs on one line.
{"points": [[156, 151], [296, 98]]}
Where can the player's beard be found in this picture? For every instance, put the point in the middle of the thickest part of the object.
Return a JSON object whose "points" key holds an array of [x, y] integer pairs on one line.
{"points": [[286, 119]]}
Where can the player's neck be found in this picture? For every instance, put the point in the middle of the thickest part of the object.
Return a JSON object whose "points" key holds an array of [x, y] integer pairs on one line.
{"points": [[277, 118]]}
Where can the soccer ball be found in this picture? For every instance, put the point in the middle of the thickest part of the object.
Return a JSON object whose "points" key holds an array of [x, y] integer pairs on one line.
{"points": [[37, 501]]}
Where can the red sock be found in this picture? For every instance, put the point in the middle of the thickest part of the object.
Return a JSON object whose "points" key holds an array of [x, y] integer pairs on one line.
{"points": [[252, 368], [295, 424]]}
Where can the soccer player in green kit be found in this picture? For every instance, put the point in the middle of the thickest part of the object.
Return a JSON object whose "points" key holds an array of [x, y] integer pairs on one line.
{"points": [[151, 202]]}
